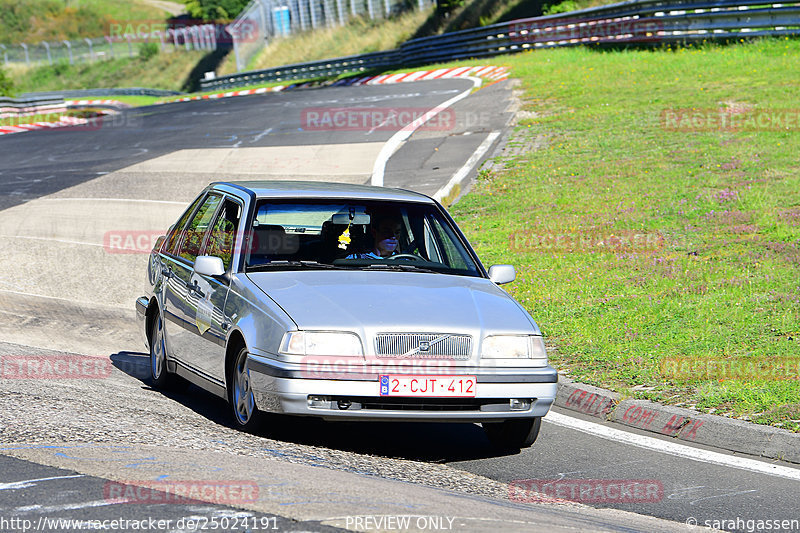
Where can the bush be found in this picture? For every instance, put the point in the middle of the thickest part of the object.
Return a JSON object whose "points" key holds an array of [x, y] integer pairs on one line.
{"points": [[564, 7], [6, 85], [148, 51]]}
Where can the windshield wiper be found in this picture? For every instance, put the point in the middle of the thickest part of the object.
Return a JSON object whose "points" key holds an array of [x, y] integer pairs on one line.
{"points": [[401, 268], [311, 265]]}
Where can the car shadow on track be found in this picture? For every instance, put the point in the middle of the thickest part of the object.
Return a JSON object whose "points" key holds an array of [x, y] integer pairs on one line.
{"points": [[427, 441]]}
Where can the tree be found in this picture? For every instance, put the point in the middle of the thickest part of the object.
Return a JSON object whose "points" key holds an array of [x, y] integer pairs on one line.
{"points": [[215, 9]]}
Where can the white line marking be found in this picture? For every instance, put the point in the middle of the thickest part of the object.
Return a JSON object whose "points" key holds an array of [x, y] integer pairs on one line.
{"points": [[66, 507], [53, 239], [672, 448], [70, 300], [471, 162], [393, 144], [31, 482], [263, 133], [114, 200]]}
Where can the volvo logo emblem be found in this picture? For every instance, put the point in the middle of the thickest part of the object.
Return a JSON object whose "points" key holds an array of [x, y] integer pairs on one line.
{"points": [[424, 346]]}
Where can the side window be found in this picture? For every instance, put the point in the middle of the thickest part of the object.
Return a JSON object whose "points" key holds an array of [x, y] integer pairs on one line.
{"points": [[446, 237], [173, 238], [223, 232], [430, 243], [198, 227]]}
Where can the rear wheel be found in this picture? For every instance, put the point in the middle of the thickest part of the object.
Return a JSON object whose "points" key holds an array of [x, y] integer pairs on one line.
{"points": [[159, 375], [513, 434], [240, 394]]}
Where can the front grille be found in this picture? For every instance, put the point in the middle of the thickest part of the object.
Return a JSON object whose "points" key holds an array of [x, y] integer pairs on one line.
{"points": [[439, 345], [424, 404]]}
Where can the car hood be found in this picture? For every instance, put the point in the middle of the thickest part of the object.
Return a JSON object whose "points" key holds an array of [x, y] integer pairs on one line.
{"points": [[370, 302]]}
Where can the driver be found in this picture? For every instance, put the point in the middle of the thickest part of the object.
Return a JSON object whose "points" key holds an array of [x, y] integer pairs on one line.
{"points": [[386, 236]]}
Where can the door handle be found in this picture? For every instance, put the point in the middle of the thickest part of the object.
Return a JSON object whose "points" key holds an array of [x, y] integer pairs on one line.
{"points": [[166, 272], [195, 288]]}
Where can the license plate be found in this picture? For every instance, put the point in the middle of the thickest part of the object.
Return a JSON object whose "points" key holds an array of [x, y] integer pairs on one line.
{"points": [[428, 386]]}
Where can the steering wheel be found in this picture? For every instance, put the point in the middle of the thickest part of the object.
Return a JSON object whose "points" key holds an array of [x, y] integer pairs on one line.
{"points": [[406, 256]]}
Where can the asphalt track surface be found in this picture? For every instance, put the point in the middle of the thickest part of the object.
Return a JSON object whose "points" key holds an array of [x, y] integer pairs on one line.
{"points": [[112, 161]]}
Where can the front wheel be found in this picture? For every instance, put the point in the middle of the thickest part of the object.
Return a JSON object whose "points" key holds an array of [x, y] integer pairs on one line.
{"points": [[513, 434], [159, 375], [240, 394]]}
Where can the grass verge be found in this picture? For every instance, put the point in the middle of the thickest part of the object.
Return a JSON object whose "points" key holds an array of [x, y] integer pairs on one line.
{"points": [[359, 36], [718, 280], [164, 71], [32, 21]]}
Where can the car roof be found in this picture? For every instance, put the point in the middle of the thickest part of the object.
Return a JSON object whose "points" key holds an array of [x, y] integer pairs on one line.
{"points": [[321, 189]]}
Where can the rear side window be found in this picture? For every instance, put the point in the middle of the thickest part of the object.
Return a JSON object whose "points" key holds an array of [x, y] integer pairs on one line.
{"points": [[195, 232]]}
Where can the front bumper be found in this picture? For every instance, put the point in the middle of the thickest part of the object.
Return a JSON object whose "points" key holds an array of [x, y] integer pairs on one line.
{"points": [[346, 395], [141, 318]]}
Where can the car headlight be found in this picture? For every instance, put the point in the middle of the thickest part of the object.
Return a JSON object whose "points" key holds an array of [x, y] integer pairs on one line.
{"points": [[338, 343], [515, 347]]}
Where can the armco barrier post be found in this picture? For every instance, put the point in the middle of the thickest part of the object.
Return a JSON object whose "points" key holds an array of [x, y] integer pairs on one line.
{"points": [[340, 11], [313, 10], [27, 57], [69, 50], [89, 42], [110, 46]]}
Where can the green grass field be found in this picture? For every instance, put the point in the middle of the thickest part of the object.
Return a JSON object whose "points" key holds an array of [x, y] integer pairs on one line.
{"points": [[718, 279], [33, 21], [167, 70]]}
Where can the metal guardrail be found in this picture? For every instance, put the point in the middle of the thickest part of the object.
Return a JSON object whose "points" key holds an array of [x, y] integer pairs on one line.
{"points": [[84, 93], [306, 71], [15, 107], [635, 22]]}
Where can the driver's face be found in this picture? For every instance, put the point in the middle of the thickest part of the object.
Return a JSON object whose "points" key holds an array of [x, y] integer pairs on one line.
{"points": [[387, 236]]}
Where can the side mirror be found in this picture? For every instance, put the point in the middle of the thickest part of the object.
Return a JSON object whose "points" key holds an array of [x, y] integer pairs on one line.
{"points": [[209, 265], [502, 274]]}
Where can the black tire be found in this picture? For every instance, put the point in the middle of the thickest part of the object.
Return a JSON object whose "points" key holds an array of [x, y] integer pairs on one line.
{"points": [[160, 377], [513, 434], [246, 415]]}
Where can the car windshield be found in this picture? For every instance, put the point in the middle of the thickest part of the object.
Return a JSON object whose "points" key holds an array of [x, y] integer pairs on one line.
{"points": [[367, 235]]}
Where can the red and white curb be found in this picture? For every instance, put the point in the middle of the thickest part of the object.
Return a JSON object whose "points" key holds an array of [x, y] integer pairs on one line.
{"points": [[245, 92], [61, 123], [82, 103], [492, 73], [487, 72]]}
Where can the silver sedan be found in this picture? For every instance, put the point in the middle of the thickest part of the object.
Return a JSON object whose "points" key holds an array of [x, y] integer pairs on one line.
{"points": [[343, 302]]}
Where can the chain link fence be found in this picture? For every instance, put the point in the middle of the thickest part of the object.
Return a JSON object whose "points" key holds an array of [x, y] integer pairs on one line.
{"points": [[263, 20], [197, 37]]}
